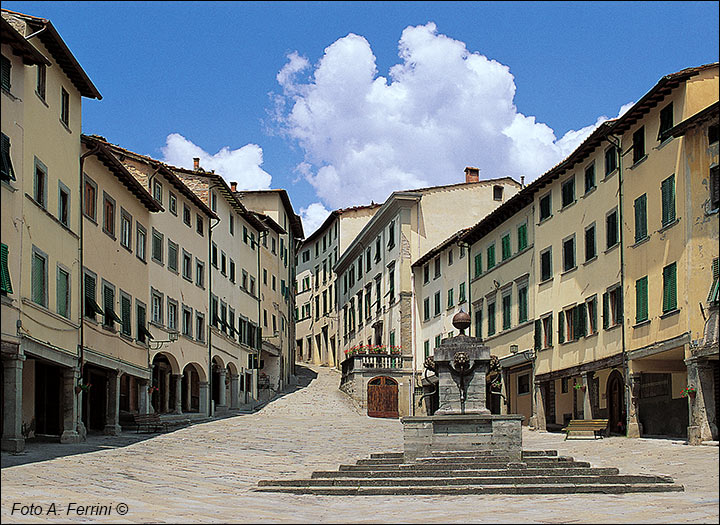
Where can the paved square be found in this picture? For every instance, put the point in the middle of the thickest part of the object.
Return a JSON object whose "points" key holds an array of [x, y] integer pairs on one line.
{"points": [[207, 473]]}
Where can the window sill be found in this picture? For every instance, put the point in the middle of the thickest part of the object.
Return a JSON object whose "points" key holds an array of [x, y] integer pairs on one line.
{"points": [[568, 205], [64, 125], [668, 225], [640, 324], [591, 259], [670, 313], [592, 334], [611, 248], [544, 220], [55, 219], [546, 281], [665, 141], [609, 175], [157, 261], [128, 248], [6, 184], [570, 270], [640, 242], [613, 327], [12, 97], [41, 98], [638, 162], [109, 234], [188, 279], [588, 192]]}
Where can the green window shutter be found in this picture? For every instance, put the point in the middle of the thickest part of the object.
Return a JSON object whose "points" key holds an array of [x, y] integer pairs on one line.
{"points": [[640, 218], [478, 324], [641, 300], [522, 305], [62, 292], [478, 265], [522, 237], [6, 287], [669, 288], [583, 320], [561, 327], [575, 335], [714, 294], [668, 200], [506, 249], [593, 313], [5, 72], [606, 311], [426, 346], [7, 172], [491, 256], [125, 310], [550, 331], [538, 335], [38, 279]]}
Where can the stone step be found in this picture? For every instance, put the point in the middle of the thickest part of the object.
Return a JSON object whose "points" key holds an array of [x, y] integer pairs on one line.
{"points": [[519, 480], [379, 461], [387, 455], [581, 471], [464, 465], [480, 453], [508, 489], [495, 459], [539, 453]]}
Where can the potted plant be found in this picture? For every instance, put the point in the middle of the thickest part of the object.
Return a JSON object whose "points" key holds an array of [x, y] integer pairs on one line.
{"points": [[689, 391], [579, 386], [82, 387], [152, 389]]}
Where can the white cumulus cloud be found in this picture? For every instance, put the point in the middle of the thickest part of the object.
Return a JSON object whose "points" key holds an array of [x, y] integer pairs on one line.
{"points": [[312, 217], [441, 108], [240, 165]]}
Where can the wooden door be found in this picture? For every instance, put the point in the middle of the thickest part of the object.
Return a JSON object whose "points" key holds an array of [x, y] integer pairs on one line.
{"points": [[382, 397]]}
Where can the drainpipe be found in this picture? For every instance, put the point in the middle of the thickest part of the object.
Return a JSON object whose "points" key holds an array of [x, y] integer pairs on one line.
{"points": [[209, 331], [258, 341], [36, 33], [617, 143], [413, 333]]}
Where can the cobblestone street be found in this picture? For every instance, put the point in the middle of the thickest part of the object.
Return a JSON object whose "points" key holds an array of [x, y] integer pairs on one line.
{"points": [[207, 472]]}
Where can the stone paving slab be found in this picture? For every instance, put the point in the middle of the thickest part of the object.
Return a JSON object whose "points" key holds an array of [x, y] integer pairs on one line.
{"points": [[208, 473]]}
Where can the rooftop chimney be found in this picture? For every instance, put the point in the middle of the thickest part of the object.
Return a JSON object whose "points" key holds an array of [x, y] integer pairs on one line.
{"points": [[522, 181], [472, 174], [196, 163], [233, 186]]}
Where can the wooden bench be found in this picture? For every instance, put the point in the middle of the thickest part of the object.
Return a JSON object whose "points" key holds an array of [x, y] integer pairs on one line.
{"points": [[586, 425], [149, 421]]}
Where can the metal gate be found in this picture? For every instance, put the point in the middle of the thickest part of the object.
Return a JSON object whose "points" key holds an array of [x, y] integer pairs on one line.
{"points": [[382, 397]]}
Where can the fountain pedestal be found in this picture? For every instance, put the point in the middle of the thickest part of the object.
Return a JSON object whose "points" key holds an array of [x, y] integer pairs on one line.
{"points": [[462, 421]]}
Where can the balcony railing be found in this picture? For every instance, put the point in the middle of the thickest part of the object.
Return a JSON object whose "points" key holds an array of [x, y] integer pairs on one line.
{"points": [[373, 361]]}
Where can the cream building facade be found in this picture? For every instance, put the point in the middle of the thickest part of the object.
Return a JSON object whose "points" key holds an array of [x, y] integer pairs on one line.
{"points": [[277, 303], [375, 285], [42, 93], [115, 354], [669, 237], [233, 323], [317, 327], [177, 256]]}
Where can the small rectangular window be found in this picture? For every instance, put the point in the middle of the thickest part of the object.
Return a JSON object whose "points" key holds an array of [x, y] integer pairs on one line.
{"points": [[90, 199], [522, 237], [199, 273], [638, 146], [611, 229], [40, 184], [641, 217], [491, 319], [63, 292], [590, 177], [140, 236], [450, 297], [611, 160], [546, 264], [157, 246], [125, 314], [158, 191], [5, 75], [109, 215], [5, 271], [438, 305], [478, 264], [172, 260], [156, 307], [714, 188], [491, 256], [38, 278], [200, 226], [498, 193], [569, 253], [437, 267], [522, 304], [172, 203], [668, 200], [506, 247], [63, 204], [426, 309], [666, 121], [8, 172], [65, 107], [545, 207], [568, 192], [187, 266], [187, 319], [506, 311], [187, 218], [125, 230], [590, 246]]}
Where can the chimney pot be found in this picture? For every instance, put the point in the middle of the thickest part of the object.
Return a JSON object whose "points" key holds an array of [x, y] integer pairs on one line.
{"points": [[472, 174], [233, 186], [196, 163], [522, 181]]}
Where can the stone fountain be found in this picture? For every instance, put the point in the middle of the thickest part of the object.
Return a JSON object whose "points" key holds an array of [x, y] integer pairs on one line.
{"points": [[462, 420]]}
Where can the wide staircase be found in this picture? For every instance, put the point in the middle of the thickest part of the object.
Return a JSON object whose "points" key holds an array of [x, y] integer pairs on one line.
{"points": [[471, 472]]}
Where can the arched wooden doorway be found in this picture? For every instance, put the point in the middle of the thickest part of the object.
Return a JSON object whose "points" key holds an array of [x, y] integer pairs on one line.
{"points": [[616, 403], [382, 397]]}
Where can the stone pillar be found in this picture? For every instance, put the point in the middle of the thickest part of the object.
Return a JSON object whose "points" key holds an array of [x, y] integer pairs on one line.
{"points": [[12, 437], [165, 378], [538, 416], [70, 378], [634, 427], [701, 407], [505, 391], [143, 397], [188, 390], [234, 391], [177, 384], [587, 378], [112, 413], [204, 390], [221, 387]]}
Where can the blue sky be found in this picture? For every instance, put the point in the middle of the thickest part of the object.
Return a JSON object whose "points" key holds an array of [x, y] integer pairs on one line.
{"points": [[341, 103]]}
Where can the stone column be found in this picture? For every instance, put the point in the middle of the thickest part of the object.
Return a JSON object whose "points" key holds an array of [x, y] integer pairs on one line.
{"points": [[143, 397], [538, 416], [505, 391], [165, 378], [634, 427], [70, 378], [188, 390], [221, 387], [177, 384], [587, 378], [702, 407], [204, 391], [112, 413], [234, 391], [12, 437]]}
